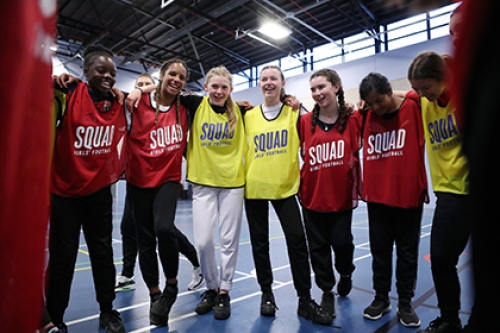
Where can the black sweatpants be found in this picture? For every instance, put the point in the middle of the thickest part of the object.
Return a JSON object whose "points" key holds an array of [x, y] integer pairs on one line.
{"points": [[93, 215], [288, 213], [389, 226], [326, 231]]}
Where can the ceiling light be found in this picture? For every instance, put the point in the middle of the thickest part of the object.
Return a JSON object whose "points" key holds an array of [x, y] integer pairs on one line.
{"points": [[165, 3], [274, 30]]}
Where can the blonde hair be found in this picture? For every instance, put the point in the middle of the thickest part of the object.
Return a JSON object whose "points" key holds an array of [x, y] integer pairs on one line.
{"points": [[229, 104]]}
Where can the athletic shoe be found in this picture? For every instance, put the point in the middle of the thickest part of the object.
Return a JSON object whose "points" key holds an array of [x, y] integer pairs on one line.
{"points": [[153, 298], [377, 308], [407, 316], [112, 322], [344, 286], [268, 305], [61, 328], [158, 314], [196, 280], [124, 283], [222, 308], [311, 310], [328, 303], [207, 303], [438, 325]]}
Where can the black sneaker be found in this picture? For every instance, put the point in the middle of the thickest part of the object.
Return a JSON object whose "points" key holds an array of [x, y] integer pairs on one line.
{"points": [[207, 303], [328, 303], [438, 325], [345, 285], [268, 305], [112, 322], [158, 314], [377, 308], [222, 308], [153, 298], [311, 310], [61, 328], [407, 316]]}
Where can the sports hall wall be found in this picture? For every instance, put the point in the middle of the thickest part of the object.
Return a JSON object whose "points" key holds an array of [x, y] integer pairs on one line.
{"points": [[393, 64]]}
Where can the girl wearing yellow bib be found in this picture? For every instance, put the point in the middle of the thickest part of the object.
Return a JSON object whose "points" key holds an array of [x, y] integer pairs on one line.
{"points": [[449, 171], [272, 175], [215, 168]]}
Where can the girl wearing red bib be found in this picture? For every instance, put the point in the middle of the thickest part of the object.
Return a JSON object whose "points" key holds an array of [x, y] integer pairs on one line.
{"points": [[329, 179], [85, 164], [395, 189], [154, 150]]}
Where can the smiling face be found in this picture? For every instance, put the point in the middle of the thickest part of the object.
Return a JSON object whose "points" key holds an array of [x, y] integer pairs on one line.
{"points": [[428, 88], [219, 88], [101, 74], [271, 82], [379, 103], [173, 79], [323, 92]]}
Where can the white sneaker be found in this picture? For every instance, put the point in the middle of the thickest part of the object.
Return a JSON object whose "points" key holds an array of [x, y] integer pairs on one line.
{"points": [[124, 283], [197, 279]]}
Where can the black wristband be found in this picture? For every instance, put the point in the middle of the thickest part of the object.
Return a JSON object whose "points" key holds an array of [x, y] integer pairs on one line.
{"points": [[142, 91]]}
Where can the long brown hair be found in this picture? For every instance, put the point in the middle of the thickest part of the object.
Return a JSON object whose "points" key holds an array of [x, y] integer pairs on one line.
{"points": [[334, 79], [164, 67], [283, 94]]}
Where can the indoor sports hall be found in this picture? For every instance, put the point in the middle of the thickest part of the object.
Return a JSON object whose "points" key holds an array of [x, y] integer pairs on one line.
{"points": [[352, 37]]}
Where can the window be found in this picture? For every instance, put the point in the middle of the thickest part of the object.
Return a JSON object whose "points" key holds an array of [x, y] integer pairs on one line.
{"points": [[359, 46], [407, 32], [242, 80], [415, 29]]}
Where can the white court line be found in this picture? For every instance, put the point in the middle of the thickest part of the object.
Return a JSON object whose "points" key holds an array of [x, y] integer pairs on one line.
{"points": [[245, 276]]}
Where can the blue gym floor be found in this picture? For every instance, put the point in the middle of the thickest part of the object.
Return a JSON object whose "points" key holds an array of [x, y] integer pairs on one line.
{"points": [[82, 315]]}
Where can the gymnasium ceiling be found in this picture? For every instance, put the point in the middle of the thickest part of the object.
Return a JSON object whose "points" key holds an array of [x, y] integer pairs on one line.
{"points": [[206, 33]]}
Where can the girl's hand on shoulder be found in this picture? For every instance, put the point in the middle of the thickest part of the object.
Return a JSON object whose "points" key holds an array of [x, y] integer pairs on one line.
{"points": [[349, 107], [362, 107], [133, 98], [65, 79], [118, 95], [246, 104], [292, 101]]}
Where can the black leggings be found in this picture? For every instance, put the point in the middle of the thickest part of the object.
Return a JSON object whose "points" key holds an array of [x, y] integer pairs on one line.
{"points": [[449, 236], [129, 239], [154, 212]]}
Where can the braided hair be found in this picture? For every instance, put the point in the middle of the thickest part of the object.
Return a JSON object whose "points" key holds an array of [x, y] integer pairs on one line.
{"points": [[334, 79], [229, 104], [163, 69]]}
